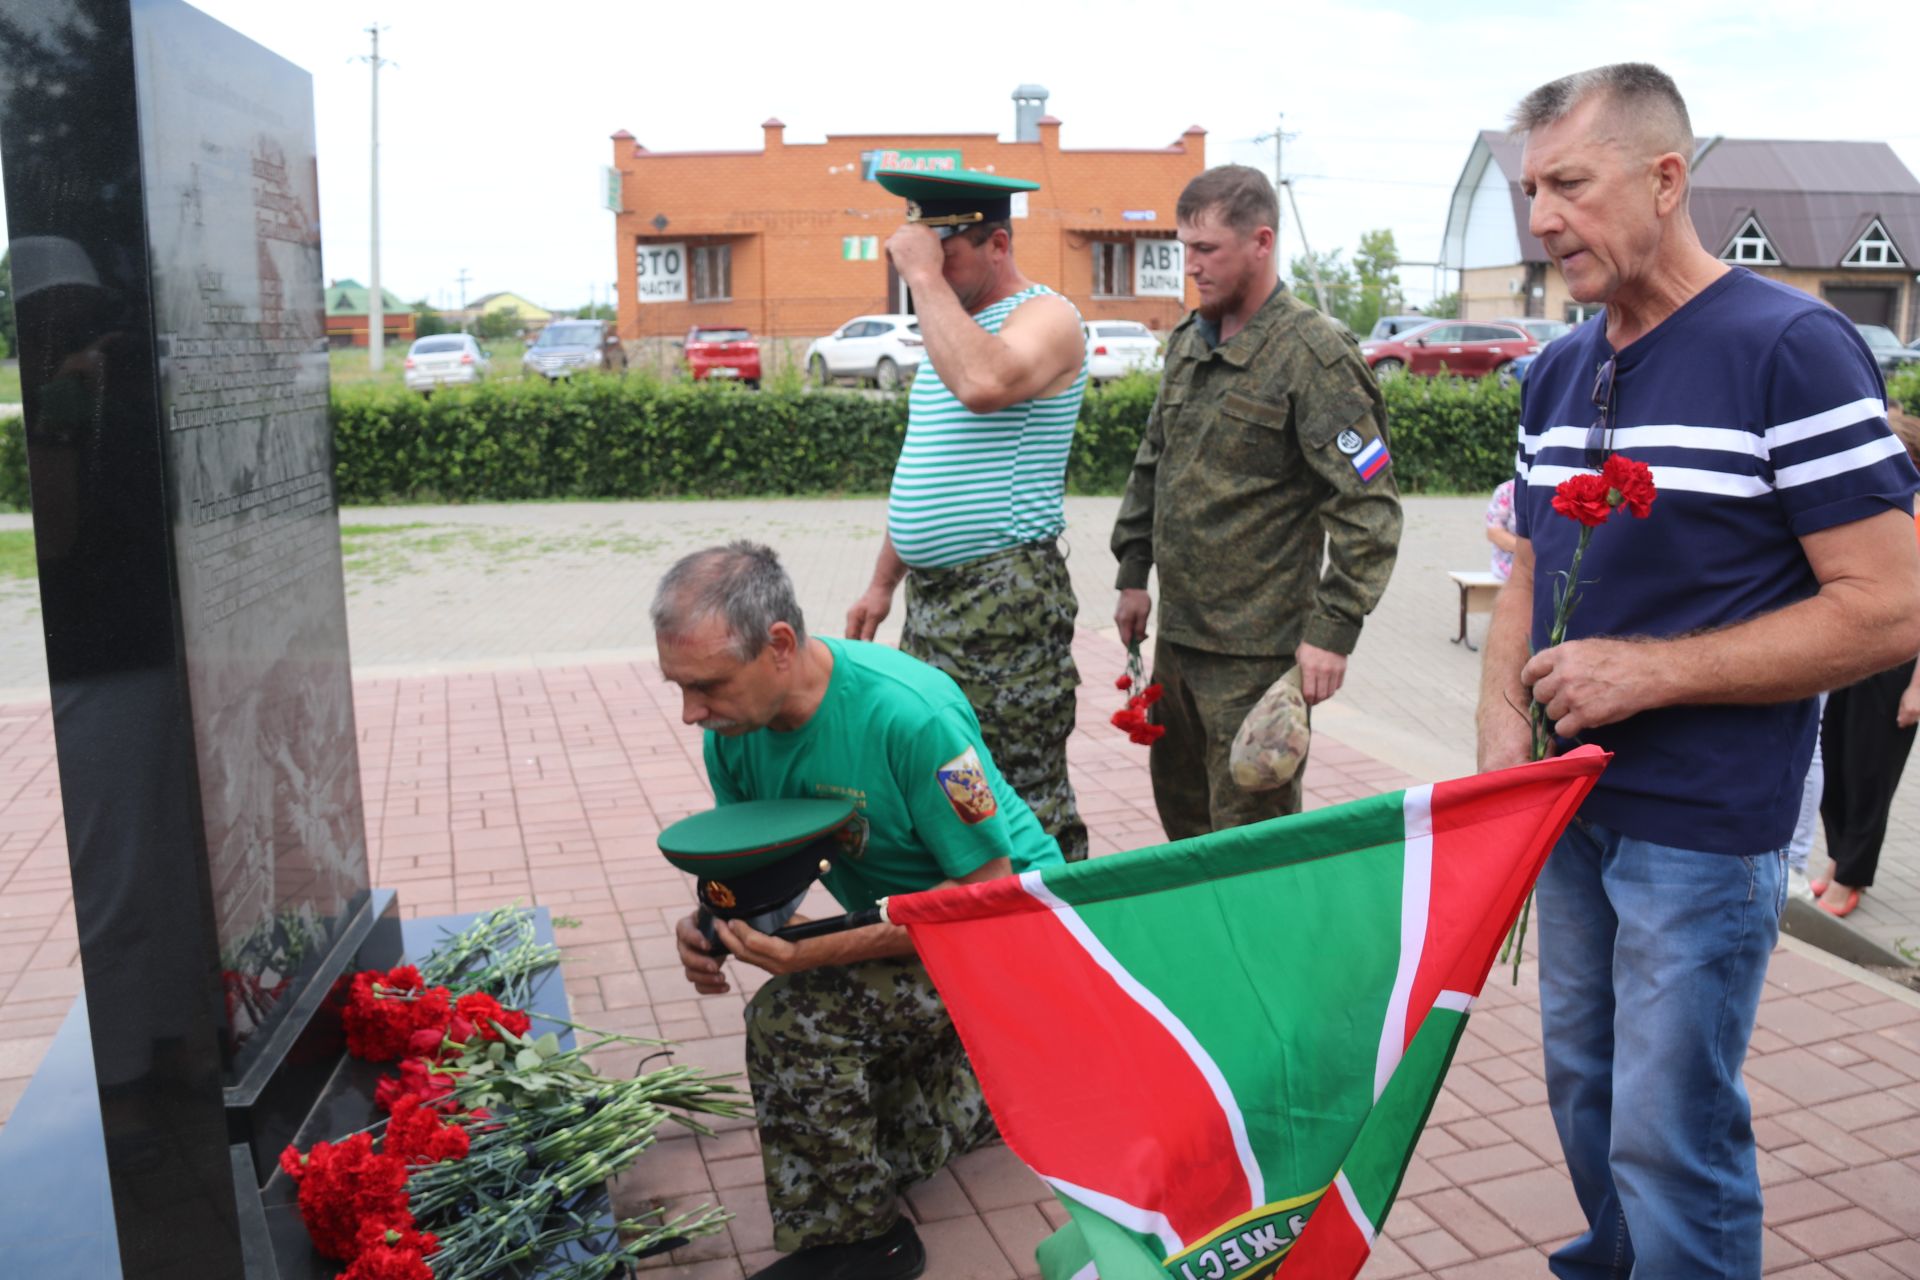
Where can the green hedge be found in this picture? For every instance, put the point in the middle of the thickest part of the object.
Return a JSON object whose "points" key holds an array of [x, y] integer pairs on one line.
{"points": [[1905, 387], [13, 465], [641, 438]]}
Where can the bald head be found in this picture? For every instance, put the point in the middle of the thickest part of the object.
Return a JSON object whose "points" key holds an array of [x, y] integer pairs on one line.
{"points": [[1640, 108]]}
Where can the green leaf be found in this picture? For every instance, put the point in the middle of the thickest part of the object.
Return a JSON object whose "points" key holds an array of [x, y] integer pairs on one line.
{"points": [[548, 1045], [526, 1060]]}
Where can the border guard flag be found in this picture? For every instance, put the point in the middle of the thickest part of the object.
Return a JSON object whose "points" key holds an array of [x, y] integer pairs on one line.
{"points": [[1220, 1052]]}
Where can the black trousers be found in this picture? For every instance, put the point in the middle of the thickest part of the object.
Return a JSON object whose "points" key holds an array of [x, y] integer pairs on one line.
{"points": [[1865, 752]]}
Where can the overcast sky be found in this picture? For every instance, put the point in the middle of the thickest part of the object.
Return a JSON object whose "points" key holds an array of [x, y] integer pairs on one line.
{"points": [[495, 116]]}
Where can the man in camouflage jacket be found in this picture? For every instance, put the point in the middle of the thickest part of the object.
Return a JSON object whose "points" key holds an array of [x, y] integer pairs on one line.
{"points": [[1265, 457]]}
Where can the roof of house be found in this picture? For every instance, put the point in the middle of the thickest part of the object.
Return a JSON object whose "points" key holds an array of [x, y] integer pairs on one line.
{"points": [[349, 298], [1813, 199]]}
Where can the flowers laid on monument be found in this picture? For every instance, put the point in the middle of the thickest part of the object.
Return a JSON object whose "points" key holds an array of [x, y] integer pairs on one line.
{"points": [[1132, 718], [1590, 499], [496, 1142]]}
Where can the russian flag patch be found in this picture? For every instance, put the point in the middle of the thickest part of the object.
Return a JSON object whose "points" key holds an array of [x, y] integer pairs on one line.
{"points": [[1372, 460]]}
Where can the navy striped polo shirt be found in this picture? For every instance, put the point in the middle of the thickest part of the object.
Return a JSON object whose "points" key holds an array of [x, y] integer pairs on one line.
{"points": [[1764, 419]]}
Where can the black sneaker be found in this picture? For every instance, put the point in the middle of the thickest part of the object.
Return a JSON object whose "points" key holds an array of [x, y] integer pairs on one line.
{"points": [[895, 1255]]}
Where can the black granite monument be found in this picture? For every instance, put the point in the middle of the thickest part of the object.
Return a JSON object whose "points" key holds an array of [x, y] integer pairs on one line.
{"points": [[163, 215]]}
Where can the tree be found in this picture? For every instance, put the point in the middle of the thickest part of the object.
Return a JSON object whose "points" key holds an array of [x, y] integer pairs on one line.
{"points": [[1336, 278], [427, 322], [7, 339], [603, 311], [502, 323], [1445, 307], [1376, 263]]}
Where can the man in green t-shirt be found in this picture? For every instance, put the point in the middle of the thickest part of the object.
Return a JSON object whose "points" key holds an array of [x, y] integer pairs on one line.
{"points": [[859, 1080]]}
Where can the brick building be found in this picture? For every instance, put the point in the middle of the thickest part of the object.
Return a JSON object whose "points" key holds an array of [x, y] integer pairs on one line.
{"points": [[788, 240]]}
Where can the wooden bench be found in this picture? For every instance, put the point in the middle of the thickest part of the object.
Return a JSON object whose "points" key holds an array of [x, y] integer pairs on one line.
{"points": [[1477, 589]]}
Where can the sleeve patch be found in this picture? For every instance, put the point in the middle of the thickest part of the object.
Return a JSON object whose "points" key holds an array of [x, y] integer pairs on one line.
{"points": [[963, 780], [1369, 459]]}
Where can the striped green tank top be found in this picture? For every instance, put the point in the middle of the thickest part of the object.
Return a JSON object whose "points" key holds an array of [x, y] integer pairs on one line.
{"points": [[970, 484]]}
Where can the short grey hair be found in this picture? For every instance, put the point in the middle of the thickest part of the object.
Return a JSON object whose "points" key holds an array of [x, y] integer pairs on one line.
{"points": [[742, 584], [1640, 92]]}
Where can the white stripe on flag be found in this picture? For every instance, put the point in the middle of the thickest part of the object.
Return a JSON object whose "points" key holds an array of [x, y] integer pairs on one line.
{"points": [[1458, 1001], [1088, 1272], [1352, 1203], [1416, 888], [1216, 1080], [1132, 1217]]}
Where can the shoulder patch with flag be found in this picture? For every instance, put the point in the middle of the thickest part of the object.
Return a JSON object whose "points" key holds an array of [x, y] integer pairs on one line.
{"points": [[1254, 1023], [964, 781], [1371, 459]]}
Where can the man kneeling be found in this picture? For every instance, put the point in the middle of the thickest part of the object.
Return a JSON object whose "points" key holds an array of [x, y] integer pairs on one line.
{"points": [[859, 1079]]}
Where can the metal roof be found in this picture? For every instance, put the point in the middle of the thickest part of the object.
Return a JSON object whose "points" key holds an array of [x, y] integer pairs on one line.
{"points": [[1813, 199]]}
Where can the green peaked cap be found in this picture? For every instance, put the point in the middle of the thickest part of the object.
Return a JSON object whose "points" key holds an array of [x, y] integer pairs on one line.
{"points": [[756, 853], [950, 201]]}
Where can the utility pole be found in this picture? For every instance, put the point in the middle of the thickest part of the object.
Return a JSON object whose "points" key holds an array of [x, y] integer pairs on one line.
{"points": [[1313, 267], [376, 312], [1279, 137], [463, 277]]}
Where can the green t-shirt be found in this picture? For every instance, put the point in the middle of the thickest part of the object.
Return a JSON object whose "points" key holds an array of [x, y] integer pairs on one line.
{"points": [[897, 739]]}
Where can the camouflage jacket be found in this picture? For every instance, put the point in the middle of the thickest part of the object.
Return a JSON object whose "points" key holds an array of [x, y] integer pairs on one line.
{"points": [[1258, 451]]}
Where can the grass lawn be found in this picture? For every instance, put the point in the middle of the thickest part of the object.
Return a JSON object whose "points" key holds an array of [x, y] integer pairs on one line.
{"points": [[348, 365], [10, 382], [16, 554]]}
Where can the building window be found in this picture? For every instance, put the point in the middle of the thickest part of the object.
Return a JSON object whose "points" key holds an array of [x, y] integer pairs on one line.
{"points": [[1112, 269], [1874, 249], [1750, 247], [712, 273]]}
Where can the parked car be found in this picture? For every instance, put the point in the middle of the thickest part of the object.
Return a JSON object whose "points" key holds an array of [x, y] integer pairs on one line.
{"points": [[1886, 348], [1116, 348], [1543, 331], [886, 349], [716, 353], [446, 360], [567, 347], [1465, 349], [1394, 326]]}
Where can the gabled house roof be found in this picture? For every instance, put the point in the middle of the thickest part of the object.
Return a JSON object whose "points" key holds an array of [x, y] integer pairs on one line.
{"points": [[349, 298], [1814, 200]]}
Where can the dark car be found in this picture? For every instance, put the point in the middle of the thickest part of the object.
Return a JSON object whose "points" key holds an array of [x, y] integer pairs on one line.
{"points": [[1394, 326], [1886, 348], [567, 347], [1461, 348], [721, 353]]}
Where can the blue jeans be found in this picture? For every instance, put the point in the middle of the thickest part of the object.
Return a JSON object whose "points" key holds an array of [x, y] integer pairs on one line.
{"points": [[1651, 964]]}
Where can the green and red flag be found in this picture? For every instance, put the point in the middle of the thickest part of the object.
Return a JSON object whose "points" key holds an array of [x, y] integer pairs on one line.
{"points": [[1220, 1052]]}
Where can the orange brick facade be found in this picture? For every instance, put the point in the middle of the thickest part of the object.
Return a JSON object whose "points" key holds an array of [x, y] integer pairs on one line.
{"points": [[787, 211]]}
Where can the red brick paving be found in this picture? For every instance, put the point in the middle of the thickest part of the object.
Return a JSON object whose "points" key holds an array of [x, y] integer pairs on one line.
{"points": [[550, 784]]}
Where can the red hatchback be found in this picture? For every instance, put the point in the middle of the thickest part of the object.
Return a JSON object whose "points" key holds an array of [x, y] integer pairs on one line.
{"points": [[723, 353], [1463, 348]]}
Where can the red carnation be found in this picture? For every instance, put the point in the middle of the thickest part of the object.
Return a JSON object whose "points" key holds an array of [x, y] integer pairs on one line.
{"points": [[418, 1135], [1584, 498], [1634, 483], [385, 1009], [346, 1186], [1123, 682], [383, 1263], [485, 1012]]}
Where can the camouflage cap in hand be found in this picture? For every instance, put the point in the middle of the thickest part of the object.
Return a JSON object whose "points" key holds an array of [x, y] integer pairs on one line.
{"points": [[756, 855]]}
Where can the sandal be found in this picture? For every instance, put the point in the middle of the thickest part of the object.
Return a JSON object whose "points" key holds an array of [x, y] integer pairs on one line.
{"points": [[1845, 908]]}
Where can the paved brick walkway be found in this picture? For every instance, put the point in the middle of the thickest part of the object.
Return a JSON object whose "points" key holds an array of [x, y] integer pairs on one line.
{"points": [[549, 783]]}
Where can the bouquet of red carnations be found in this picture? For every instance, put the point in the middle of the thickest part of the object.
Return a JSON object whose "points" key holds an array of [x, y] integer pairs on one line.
{"points": [[497, 1142], [1132, 718]]}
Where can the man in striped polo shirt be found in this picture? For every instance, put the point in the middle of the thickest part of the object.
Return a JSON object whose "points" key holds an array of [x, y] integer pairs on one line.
{"points": [[1778, 560], [977, 506]]}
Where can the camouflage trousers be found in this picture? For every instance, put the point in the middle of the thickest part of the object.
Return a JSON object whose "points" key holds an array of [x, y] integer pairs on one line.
{"points": [[1204, 697], [862, 1089], [1002, 627]]}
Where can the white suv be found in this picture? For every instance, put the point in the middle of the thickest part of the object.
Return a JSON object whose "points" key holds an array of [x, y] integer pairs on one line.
{"points": [[886, 349], [446, 360]]}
